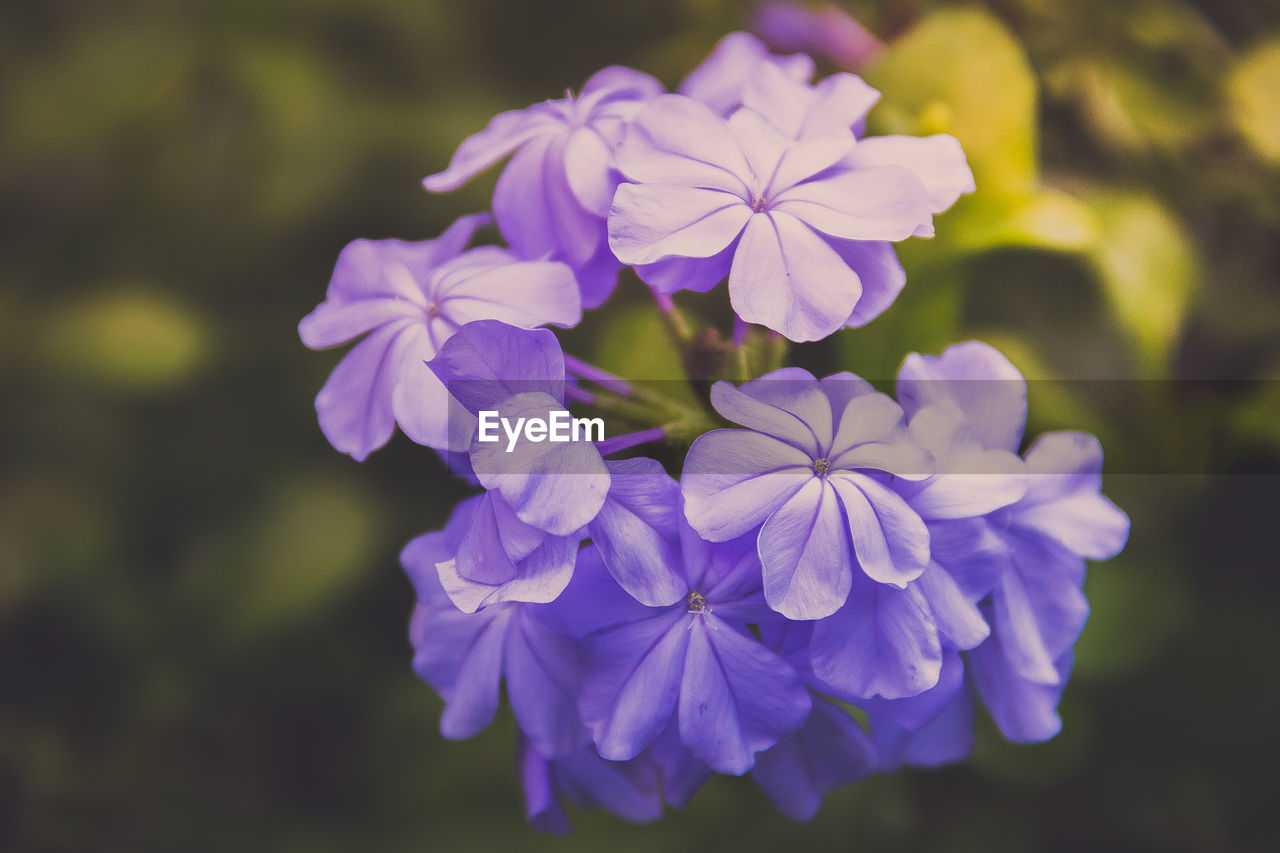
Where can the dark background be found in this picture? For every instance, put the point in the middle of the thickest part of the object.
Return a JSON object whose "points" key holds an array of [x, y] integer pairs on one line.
{"points": [[202, 619]]}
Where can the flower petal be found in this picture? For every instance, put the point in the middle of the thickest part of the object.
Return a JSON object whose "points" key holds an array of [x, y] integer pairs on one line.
{"points": [[650, 222], [890, 540], [634, 530], [632, 682], [734, 479], [354, 405], [787, 278], [505, 133], [804, 548], [736, 697], [938, 161], [541, 668], [677, 140], [524, 294], [980, 381], [786, 404], [881, 643], [878, 203]]}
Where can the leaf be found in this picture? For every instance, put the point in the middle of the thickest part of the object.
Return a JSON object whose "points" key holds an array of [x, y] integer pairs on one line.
{"points": [[1149, 271], [1254, 92], [961, 71], [125, 339]]}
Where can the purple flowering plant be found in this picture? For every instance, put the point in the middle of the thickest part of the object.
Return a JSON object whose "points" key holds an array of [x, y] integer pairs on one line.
{"points": [[836, 579]]}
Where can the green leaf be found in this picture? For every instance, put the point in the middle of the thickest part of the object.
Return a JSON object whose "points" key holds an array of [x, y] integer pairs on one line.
{"points": [[1254, 92], [1149, 271], [125, 339], [1046, 218], [961, 71]]}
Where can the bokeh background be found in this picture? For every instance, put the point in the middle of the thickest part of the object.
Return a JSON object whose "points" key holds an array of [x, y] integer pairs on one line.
{"points": [[202, 619]]}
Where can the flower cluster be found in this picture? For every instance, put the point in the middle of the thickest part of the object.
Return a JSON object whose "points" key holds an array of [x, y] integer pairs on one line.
{"points": [[832, 547]]}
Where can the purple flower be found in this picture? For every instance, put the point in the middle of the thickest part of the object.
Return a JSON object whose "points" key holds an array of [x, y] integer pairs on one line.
{"points": [[829, 750], [827, 30], [557, 487], [800, 234], [628, 789], [552, 198], [545, 497], [812, 472], [719, 81], [1037, 607], [410, 298], [465, 656], [693, 662], [927, 730]]}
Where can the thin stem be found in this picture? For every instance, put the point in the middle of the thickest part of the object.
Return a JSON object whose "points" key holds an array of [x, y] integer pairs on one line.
{"points": [[579, 395], [591, 373], [673, 318], [630, 439]]}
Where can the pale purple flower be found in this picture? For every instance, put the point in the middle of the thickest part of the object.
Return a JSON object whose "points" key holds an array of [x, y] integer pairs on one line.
{"points": [[410, 298], [693, 663], [812, 473], [628, 789], [465, 656], [929, 729], [827, 30], [1037, 607], [553, 196], [800, 234], [545, 497], [830, 750], [719, 80]]}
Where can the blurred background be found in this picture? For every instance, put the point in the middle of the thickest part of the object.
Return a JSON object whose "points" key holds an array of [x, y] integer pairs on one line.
{"points": [[202, 618]]}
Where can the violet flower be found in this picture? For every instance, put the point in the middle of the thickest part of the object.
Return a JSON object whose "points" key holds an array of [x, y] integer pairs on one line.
{"points": [[812, 472], [553, 196], [410, 298], [782, 217]]}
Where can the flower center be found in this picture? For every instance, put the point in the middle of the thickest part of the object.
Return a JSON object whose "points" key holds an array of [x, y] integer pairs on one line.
{"points": [[758, 202], [698, 603], [433, 311], [821, 467]]}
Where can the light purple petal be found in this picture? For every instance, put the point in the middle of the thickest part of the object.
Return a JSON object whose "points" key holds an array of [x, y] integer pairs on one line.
{"points": [[938, 161], [473, 699], [977, 378], [505, 133], [650, 222], [634, 530], [555, 486], [542, 673], [540, 578], [881, 643], [1025, 711], [786, 404], [736, 697], [879, 203], [677, 140], [734, 479], [829, 751], [419, 400], [488, 361], [536, 210], [804, 548], [787, 278], [881, 274], [696, 274], [622, 82], [588, 169], [354, 405], [890, 540], [955, 614], [632, 682], [524, 294], [1063, 500], [720, 79]]}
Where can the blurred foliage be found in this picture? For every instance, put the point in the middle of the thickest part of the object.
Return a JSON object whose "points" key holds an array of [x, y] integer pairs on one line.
{"points": [[202, 621]]}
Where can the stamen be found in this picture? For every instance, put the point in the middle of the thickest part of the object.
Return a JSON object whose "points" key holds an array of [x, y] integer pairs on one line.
{"points": [[697, 603], [821, 467]]}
